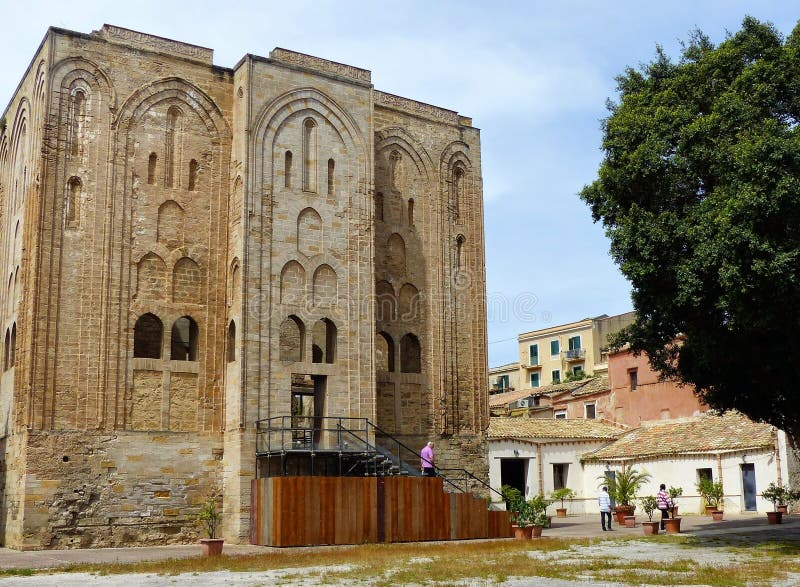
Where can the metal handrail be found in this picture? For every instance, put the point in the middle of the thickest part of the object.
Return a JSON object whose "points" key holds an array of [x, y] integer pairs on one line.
{"points": [[302, 439]]}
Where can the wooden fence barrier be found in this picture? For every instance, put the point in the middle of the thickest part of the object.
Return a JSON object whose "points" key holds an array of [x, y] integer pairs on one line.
{"points": [[300, 511]]}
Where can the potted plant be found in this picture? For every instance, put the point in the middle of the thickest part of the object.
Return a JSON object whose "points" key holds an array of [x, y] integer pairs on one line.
{"points": [[777, 495], [209, 518], [540, 521], [565, 493], [623, 488], [538, 505], [520, 514], [672, 525], [674, 494], [649, 505], [712, 494]]}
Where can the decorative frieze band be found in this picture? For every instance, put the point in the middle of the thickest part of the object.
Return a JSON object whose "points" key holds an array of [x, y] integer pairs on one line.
{"points": [[319, 64], [152, 43], [418, 108]]}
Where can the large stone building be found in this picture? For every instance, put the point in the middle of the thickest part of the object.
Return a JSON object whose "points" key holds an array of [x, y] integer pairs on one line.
{"points": [[191, 249]]}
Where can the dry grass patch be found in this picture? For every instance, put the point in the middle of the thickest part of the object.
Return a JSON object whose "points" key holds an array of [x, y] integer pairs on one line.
{"points": [[447, 563]]}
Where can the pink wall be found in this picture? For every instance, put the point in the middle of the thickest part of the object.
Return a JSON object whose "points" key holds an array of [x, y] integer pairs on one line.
{"points": [[652, 400]]}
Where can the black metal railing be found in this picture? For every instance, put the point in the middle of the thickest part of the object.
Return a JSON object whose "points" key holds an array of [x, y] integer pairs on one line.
{"points": [[381, 452], [575, 354], [282, 434]]}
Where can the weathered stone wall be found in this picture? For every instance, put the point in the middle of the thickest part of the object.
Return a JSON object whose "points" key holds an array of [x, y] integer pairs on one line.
{"points": [[200, 235], [119, 488]]}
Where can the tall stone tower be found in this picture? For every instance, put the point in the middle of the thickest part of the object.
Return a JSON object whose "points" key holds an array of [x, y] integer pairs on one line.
{"points": [[192, 249]]}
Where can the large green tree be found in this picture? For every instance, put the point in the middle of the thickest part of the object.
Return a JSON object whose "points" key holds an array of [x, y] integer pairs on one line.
{"points": [[699, 192]]}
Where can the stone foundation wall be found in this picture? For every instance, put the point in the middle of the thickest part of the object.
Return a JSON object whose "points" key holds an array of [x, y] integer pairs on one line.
{"points": [[116, 489]]}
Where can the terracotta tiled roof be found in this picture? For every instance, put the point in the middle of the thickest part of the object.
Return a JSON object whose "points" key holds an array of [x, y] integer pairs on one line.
{"points": [[589, 386], [573, 388], [522, 428], [707, 433], [501, 399]]}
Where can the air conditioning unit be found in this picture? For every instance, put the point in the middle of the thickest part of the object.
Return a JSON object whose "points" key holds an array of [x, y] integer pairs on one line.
{"points": [[523, 403]]}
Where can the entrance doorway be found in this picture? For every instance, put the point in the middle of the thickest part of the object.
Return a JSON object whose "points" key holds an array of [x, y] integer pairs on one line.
{"points": [[512, 473], [308, 408], [749, 486]]}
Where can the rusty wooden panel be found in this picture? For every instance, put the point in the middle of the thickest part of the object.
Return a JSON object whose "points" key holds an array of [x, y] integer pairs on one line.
{"points": [[469, 517], [500, 525], [415, 509], [294, 511]]}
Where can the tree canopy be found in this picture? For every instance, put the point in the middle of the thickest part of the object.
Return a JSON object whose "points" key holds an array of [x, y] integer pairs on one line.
{"points": [[699, 193]]}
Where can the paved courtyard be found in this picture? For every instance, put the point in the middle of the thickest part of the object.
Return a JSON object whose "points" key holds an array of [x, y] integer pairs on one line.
{"points": [[715, 540]]}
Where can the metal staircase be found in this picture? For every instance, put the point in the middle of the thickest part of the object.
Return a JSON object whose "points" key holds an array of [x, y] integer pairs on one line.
{"points": [[345, 447]]}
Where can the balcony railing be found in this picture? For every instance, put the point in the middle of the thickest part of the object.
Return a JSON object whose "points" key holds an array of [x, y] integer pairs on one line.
{"points": [[574, 354]]}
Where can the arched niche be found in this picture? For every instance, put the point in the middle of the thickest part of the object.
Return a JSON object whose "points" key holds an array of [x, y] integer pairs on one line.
{"points": [[291, 339]]}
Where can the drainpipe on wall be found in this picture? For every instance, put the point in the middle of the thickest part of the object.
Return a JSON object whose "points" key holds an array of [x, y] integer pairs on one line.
{"points": [[777, 457], [541, 468], [719, 466]]}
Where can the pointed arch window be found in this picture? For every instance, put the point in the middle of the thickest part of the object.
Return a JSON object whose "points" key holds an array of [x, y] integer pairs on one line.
{"points": [[170, 145], [287, 169], [385, 353], [12, 351], [77, 115], [184, 340], [458, 191], [148, 335], [193, 169], [6, 349], [151, 168], [331, 180], [231, 341], [309, 155], [73, 198], [411, 211], [460, 240], [410, 354]]}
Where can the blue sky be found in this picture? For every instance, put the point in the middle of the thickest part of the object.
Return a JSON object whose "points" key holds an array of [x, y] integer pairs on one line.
{"points": [[534, 76]]}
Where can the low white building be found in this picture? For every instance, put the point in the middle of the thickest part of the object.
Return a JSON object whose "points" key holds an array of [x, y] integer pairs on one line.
{"points": [[538, 455], [746, 456]]}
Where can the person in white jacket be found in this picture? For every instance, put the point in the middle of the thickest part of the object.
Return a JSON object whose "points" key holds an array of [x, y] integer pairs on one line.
{"points": [[605, 508]]}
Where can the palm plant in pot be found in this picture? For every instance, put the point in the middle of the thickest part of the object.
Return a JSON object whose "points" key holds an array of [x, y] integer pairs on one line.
{"points": [[649, 505], [622, 488], [776, 495], [563, 494], [209, 517]]}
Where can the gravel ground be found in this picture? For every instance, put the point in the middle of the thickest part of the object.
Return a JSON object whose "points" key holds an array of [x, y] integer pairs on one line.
{"points": [[631, 551]]}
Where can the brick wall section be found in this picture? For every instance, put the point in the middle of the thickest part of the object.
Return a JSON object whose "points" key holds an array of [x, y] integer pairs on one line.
{"points": [[158, 184]]}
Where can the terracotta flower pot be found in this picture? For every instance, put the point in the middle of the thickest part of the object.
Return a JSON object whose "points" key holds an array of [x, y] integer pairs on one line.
{"points": [[775, 517], [710, 509], [561, 512], [211, 546], [630, 521], [651, 527], [621, 511], [717, 515], [522, 533], [672, 525], [783, 509], [536, 531]]}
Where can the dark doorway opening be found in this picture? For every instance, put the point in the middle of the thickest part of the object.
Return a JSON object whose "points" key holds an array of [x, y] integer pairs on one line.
{"points": [[308, 408], [512, 473]]}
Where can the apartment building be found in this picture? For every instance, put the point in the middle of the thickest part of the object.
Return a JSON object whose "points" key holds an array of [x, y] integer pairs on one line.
{"points": [[548, 356]]}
